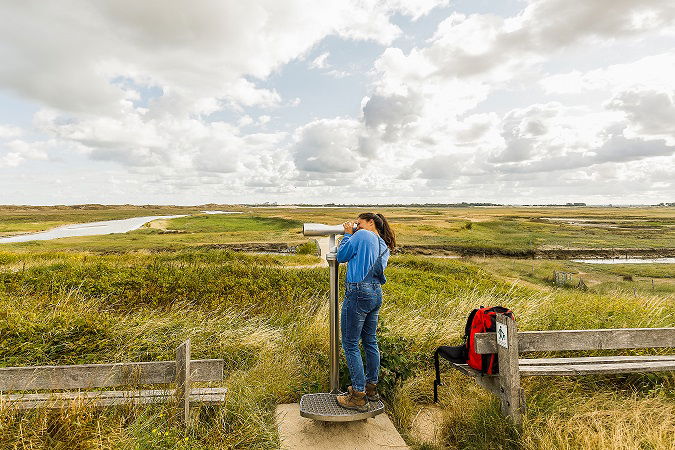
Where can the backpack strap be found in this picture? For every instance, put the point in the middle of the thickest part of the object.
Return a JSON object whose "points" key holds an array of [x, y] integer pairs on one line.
{"points": [[437, 381], [469, 321]]}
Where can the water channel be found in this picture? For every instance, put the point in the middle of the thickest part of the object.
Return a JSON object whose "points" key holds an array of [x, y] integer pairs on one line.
{"points": [[627, 261], [86, 229]]}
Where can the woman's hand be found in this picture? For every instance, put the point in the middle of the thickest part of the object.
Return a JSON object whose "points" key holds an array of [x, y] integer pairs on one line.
{"points": [[349, 227]]}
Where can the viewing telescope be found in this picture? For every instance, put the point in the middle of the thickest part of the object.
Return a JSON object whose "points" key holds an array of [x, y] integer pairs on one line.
{"points": [[320, 229], [323, 406]]}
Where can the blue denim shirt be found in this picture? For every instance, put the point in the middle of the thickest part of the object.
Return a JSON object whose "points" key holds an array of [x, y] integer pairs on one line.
{"points": [[360, 251]]}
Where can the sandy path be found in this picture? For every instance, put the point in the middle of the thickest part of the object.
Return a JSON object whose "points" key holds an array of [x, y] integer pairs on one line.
{"points": [[159, 224]]}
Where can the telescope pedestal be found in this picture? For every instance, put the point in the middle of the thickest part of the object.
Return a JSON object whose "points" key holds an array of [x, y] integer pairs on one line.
{"points": [[324, 406]]}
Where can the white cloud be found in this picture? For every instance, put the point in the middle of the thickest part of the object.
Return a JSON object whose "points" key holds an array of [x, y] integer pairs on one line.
{"points": [[488, 45], [653, 72], [10, 131], [320, 61], [174, 96], [650, 113], [16, 151], [327, 146], [67, 57], [200, 58], [416, 8]]}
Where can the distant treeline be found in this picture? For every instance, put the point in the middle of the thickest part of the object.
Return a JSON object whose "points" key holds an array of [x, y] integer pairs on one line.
{"points": [[409, 205]]}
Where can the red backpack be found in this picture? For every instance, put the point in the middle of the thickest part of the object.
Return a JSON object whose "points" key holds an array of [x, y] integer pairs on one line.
{"points": [[483, 320], [480, 321]]}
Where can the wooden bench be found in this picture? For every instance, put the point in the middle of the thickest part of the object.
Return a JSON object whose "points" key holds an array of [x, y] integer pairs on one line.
{"points": [[183, 371], [508, 343]]}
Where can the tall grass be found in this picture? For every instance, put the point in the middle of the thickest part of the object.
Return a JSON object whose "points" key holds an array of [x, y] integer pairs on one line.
{"points": [[269, 322]]}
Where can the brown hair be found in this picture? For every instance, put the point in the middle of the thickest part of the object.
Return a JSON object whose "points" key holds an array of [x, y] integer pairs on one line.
{"points": [[383, 228]]}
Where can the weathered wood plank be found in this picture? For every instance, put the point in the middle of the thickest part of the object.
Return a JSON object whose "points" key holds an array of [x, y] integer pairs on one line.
{"points": [[87, 376], [183, 382], [57, 400], [605, 339], [593, 360], [489, 382], [589, 369], [509, 375]]}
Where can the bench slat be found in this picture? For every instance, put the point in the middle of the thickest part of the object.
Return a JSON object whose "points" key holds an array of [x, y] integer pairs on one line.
{"points": [[593, 360], [597, 369], [466, 370], [606, 339], [58, 400], [489, 382], [88, 376]]}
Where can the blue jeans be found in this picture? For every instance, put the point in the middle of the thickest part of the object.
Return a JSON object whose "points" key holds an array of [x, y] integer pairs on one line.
{"points": [[358, 320]]}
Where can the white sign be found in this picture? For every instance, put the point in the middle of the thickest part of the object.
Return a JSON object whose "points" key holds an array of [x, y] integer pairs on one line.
{"points": [[502, 335]]}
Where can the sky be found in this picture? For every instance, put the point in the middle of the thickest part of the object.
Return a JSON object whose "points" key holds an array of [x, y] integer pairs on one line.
{"points": [[388, 101]]}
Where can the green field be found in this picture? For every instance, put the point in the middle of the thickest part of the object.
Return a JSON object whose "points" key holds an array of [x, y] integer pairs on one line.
{"points": [[135, 297]]}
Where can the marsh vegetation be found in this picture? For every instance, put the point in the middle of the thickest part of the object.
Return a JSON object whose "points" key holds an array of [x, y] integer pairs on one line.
{"points": [[135, 297]]}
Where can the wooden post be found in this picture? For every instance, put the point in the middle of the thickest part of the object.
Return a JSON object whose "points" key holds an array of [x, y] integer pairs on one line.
{"points": [[509, 376], [183, 382]]}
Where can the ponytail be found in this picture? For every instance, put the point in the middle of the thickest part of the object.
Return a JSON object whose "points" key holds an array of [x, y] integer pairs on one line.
{"points": [[383, 228]]}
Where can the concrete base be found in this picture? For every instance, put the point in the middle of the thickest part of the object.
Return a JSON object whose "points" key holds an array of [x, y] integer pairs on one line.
{"points": [[300, 433]]}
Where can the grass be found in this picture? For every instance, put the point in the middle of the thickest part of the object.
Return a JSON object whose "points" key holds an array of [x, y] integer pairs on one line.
{"points": [[483, 229], [136, 296], [218, 223], [269, 322]]}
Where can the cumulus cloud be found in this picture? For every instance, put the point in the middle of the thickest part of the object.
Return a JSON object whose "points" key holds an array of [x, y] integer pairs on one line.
{"points": [[17, 151], [416, 8], [439, 167], [91, 64], [652, 71], [66, 57], [392, 114], [650, 113], [475, 44], [327, 146], [320, 61], [10, 131], [433, 91], [471, 56], [182, 97]]}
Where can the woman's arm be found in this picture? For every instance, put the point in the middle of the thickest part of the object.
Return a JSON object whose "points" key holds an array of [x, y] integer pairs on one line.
{"points": [[347, 248]]}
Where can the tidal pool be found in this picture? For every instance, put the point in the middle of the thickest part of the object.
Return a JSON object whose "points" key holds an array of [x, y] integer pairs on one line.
{"points": [[627, 261]]}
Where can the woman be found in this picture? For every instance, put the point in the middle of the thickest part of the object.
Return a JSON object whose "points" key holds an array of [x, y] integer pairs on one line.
{"points": [[366, 251]]}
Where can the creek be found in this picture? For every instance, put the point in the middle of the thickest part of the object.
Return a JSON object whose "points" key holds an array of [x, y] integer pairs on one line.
{"points": [[86, 229]]}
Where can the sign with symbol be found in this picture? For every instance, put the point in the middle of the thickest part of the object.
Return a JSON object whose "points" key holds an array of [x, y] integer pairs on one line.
{"points": [[502, 335]]}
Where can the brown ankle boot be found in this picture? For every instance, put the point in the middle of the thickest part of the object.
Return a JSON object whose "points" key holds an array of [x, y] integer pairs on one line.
{"points": [[353, 400], [371, 392]]}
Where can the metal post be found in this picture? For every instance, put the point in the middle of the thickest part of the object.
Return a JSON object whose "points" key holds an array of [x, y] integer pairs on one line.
{"points": [[334, 323]]}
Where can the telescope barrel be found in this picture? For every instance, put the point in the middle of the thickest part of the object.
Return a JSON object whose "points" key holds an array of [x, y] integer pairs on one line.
{"points": [[320, 229]]}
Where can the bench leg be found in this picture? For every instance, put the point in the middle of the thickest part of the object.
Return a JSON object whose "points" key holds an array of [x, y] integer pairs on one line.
{"points": [[509, 375], [183, 382]]}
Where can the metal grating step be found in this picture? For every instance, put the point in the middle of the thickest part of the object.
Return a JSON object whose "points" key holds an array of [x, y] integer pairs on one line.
{"points": [[323, 406]]}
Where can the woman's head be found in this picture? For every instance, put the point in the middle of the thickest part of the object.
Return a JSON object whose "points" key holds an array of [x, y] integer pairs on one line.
{"points": [[377, 222]]}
